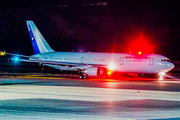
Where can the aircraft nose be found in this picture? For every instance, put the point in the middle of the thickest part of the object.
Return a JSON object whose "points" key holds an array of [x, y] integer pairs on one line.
{"points": [[169, 66]]}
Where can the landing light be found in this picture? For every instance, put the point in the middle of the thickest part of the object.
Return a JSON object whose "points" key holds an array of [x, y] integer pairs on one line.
{"points": [[111, 67], [109, 72], [161, 74]]}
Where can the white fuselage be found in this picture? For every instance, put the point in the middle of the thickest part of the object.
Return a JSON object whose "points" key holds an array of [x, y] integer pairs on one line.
{"points": [[122, 62], [95, 64]]}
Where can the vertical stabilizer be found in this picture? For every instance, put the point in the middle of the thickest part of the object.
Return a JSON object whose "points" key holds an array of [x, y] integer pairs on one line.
{"points": [[38, 42]]}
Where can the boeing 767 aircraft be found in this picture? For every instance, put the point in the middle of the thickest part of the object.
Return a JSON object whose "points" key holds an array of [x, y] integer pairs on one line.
{"points": [[93, 64]]}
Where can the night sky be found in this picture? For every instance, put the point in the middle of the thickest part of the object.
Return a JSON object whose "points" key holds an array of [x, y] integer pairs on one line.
{"points": [[151, 26]]}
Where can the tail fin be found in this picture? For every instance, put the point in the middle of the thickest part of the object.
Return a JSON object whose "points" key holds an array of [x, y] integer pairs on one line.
{"points": [[38, 42]]}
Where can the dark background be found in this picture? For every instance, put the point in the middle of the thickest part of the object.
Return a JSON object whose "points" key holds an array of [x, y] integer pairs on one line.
{"points": [[150, 26]]}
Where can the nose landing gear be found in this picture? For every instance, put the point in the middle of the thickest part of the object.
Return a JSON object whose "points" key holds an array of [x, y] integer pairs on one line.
{"points": [[161, 75]]}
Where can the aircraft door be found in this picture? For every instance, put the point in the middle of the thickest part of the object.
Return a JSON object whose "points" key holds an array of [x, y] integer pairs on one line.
{"points": [[82, 60], [51, 58], [151, 61], [121, 61]]}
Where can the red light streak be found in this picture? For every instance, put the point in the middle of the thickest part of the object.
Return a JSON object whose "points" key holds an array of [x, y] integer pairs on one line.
{"points": [[139, 44]]}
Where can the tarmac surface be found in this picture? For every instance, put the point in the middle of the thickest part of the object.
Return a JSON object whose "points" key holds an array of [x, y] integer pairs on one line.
{"points": [[67, 97]]}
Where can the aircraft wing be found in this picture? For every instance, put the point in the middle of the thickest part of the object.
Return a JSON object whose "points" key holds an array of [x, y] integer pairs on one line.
{"points": [[4, 53], [70, 64], [35, 60]]}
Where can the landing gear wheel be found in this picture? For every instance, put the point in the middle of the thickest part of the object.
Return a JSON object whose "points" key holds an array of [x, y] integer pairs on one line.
{"points": [[80, 77], [84, 76]]}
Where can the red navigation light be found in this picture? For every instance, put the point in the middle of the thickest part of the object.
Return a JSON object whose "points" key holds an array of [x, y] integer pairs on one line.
{"points": [[139, 53]]}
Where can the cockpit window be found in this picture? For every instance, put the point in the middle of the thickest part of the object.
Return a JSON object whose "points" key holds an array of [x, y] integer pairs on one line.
{"points": [[165, 60]]}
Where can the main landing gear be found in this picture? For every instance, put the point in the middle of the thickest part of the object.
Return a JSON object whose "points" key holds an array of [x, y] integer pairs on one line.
{"points": [[84, 76]]}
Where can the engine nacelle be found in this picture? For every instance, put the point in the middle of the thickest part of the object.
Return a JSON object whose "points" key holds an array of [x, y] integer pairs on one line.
{"points": [[94, 71]]}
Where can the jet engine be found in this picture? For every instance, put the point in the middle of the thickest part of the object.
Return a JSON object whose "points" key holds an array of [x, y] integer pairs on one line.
{"points": [[94, 71]]}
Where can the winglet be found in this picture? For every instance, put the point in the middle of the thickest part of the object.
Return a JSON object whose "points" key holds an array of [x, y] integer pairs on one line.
{"points": [[2, 53]]}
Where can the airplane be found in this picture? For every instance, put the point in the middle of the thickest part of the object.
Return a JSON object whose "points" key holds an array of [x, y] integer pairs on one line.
{"points": [[93, 63]]}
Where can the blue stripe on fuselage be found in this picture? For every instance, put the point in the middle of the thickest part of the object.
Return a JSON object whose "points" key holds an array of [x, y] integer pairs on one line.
{"points": [[33, 40]]}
